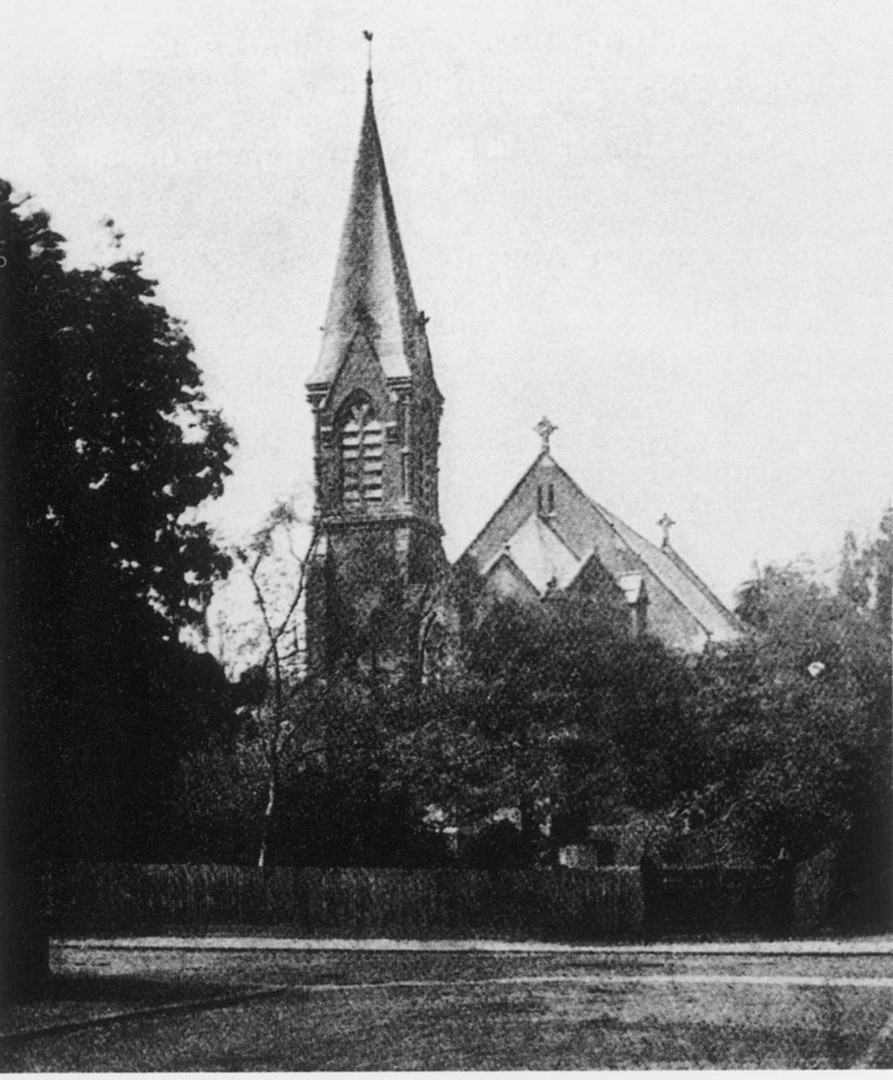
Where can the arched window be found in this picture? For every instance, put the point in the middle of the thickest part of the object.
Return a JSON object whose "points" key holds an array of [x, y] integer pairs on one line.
{"points": [[434, 653], [361, 447]]}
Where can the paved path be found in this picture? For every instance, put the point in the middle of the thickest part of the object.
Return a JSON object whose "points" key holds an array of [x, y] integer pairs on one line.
{"points": [[481, 1005], [867, 946]]}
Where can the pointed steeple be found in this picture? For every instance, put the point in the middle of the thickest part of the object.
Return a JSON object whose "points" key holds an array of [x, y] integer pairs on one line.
{"points": [[371, 292], [376, 435]]}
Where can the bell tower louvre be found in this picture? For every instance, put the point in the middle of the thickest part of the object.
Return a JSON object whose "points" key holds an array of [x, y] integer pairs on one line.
{"points": [[376, 409]]}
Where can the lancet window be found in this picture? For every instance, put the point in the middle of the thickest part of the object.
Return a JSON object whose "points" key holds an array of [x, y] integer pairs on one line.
{"points": [[545, 500], [361, 447]]}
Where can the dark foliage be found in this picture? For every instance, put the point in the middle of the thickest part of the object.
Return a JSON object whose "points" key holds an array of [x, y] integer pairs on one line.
{"points": [[108, 442], [796, 719], [581, 721], [556, 720]]}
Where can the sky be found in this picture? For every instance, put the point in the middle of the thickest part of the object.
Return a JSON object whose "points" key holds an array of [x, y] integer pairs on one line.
{"points": [[667, 226]]}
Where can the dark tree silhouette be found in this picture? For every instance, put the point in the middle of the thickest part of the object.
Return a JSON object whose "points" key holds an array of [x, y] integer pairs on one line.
{"points": [[796, 719], [108, 443]]}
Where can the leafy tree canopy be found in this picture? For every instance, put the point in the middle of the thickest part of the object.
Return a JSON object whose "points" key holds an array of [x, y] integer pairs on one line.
{"points": [[109, 445], [796, 718]]}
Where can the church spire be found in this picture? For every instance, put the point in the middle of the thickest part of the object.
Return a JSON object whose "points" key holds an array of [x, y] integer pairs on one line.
{"points": [[376, 415], [371, 292]]}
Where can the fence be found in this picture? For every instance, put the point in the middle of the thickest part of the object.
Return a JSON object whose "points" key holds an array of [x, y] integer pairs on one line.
{"points": [[815, 890], [610, 903], [558, 904], [717, 900]]}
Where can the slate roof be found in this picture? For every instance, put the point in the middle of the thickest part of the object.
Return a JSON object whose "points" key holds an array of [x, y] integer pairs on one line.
{"points": [[581, 528], [541, 555], [371, 291], [674, 572]]}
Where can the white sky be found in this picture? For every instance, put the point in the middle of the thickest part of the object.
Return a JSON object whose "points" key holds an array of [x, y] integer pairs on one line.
{"points": [[667, 225]]}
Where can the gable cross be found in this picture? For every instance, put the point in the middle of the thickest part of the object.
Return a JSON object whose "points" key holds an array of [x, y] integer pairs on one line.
{"points": [[544, 429], [666, 523]]}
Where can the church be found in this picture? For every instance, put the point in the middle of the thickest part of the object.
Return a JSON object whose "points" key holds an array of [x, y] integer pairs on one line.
{"points": [[378, 583], [549, 538]]}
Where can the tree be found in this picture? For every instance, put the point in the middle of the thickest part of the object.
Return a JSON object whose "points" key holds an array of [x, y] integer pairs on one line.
{"points": [[558, 714], [796, 719], [309, 772], [854, 577], [109, 445], [866, 574], [280, 714]]}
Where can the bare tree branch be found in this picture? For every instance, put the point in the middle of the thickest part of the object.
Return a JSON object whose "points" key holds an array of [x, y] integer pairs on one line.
{"points": [[282, 727]]}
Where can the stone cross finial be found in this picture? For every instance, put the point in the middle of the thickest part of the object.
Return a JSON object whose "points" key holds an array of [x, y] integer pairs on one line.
{"points": [[666, 523], [544, 429]]}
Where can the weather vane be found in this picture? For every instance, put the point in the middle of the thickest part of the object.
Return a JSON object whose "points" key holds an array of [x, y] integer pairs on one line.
{"points": [[367, 34]]}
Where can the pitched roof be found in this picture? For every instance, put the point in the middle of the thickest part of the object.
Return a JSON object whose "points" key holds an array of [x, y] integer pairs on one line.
{"points": [[541, 555], [594, 530], [680, 579], [371, 291]]}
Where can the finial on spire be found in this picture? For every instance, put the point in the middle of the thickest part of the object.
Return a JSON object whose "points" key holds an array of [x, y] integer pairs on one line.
{"points": [[367, 34], [666, 523], [544, 429]]}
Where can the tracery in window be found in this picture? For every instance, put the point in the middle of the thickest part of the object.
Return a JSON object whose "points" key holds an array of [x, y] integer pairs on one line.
{"points": [[361, 447]]}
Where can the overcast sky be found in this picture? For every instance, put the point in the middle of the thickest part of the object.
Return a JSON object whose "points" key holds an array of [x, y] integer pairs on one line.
{"points": [[667, 225]]}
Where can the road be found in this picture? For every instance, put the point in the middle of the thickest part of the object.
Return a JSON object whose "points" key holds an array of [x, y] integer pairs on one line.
{"points": [[570, 1009]]}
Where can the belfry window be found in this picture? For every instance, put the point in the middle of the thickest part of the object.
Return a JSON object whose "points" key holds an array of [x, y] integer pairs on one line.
{"points": [[361, 448]]}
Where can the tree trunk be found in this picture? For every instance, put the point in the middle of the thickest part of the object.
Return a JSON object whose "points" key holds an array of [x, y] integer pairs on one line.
{"points": [[268, 817]]}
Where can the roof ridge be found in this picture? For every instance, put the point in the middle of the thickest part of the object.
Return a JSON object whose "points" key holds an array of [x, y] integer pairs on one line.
{"points": [[608, 515], [670, 552], [696, 580], [501, 555], [586, 561], [666, 584], [503, 504], [547, 536], [648, 557]]}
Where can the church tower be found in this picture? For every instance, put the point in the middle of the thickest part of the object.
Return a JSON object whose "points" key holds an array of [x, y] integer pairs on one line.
{"points": [[376, 409]]}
